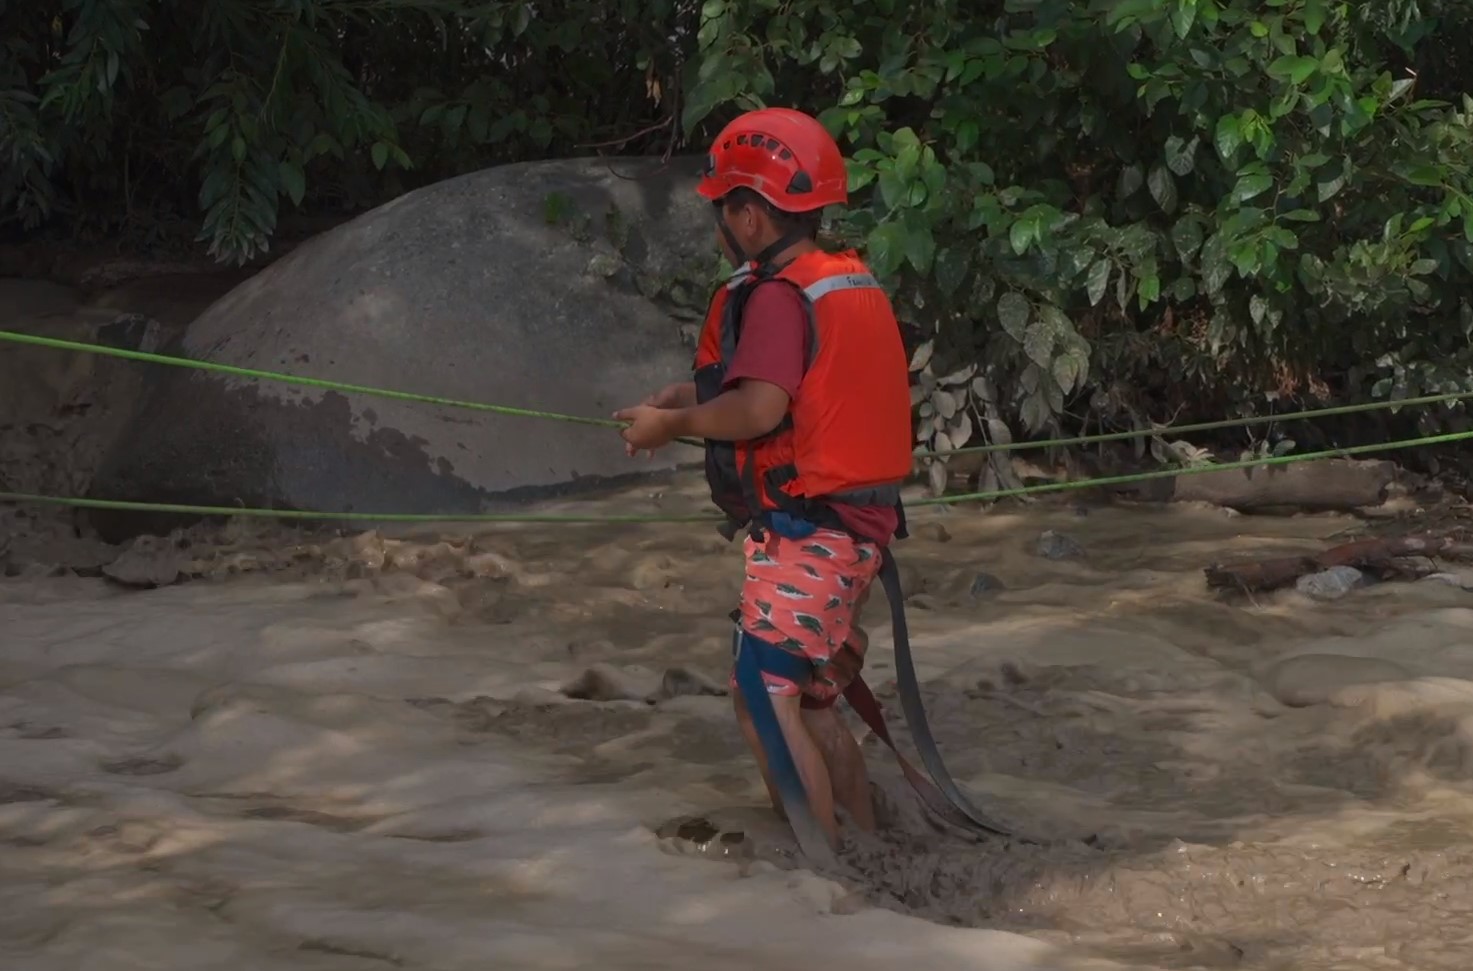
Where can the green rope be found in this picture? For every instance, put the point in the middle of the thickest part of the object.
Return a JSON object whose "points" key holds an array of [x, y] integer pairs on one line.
{"points": [[325, 384], [1204, 426], [322, 383], [1198, 470], [299, 514], [555, 518]]}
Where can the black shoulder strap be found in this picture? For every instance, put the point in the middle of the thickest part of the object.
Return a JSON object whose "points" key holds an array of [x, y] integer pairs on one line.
{"points": [[736, 305]]}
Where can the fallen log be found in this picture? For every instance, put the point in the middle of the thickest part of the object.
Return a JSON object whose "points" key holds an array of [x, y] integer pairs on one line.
{"points": [[1323, 486], [1380, 554]]}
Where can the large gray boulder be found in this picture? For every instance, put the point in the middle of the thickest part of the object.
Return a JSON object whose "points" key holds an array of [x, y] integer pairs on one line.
{"points": [[567, 286]]}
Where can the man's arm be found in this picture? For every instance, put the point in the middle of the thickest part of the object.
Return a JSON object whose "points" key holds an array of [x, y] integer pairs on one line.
{"points": [[750, 409], [763, 377], [764, 374]]}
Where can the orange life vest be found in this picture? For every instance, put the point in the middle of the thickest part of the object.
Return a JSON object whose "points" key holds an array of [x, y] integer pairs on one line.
{"points": [[847, 435]]}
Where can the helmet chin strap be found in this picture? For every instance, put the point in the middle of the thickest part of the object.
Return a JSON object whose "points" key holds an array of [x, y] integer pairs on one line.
{"points": [[763, 258], [729, 236]]}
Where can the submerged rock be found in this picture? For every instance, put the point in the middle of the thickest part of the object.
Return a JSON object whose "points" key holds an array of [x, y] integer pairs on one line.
{"points": [[149, 562], [1057, 546], [984, 583], [1331, 584]]}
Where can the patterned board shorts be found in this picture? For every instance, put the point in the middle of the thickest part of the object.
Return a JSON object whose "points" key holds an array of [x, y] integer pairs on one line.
{"points": [[805, 596]]}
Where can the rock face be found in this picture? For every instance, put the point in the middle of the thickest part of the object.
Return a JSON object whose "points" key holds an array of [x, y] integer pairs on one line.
{"points": [[61, 411], [555, 286]]}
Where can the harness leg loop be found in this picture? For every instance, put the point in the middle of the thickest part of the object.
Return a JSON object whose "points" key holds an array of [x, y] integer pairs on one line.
{"points": [[753, 656]]}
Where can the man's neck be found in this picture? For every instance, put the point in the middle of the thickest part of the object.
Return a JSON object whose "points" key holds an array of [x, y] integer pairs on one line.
{"points": [[787, 255]]}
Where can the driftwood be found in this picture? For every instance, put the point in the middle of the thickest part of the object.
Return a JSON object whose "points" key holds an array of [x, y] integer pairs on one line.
{"points": [[1387, 555], [1326, 485]]}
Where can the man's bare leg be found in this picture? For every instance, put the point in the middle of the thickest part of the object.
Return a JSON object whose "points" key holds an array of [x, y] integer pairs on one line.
{"points": [[749, 732], [841, 752], [847, 771], [812, 770]]}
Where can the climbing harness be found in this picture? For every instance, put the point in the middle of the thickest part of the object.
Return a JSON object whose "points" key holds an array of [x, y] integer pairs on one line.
{"points": [[940, 793]]}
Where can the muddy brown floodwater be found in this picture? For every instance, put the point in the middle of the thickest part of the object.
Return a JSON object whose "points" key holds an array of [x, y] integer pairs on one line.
{"points": [[509, 749]]}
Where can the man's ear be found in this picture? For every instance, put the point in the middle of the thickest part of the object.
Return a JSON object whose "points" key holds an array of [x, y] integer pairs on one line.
{"points": [[740, 217]]}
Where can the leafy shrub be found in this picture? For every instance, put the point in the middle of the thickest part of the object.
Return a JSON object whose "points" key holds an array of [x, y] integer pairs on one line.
{"points": [[1101, 210]]}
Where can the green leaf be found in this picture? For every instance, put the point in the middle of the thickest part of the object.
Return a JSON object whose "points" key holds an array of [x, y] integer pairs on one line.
{"points": [[1023, 232], [1098, 281], [322, 143], [1131, 179], [968, 133], [1035, 412], [1229, 137], [703, 98], [1329, 188], [1183, 15], [1186, 236], [885, 247], [952, 264], [1038, 343], [1181, 155], [1013, 312], [1314, 17], [380, 154], [1148, 290], [893, 189], [920, 247], [1163, 188], [1295, 69], [1251, 185], [1070, 367], [292, 180], [1216, 267], [922, 355], [1045, 333]]}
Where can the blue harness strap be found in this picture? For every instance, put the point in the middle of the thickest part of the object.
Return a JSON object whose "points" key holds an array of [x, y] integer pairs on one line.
{"points": [[752, 657]]}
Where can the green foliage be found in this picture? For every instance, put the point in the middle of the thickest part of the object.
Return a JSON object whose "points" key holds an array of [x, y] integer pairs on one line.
{"points": [[1107, 212], [113, 111], [1096, 209]]}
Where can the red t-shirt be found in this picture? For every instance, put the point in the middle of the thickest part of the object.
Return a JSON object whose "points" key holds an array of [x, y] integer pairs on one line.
{"points": [[774, 347]]}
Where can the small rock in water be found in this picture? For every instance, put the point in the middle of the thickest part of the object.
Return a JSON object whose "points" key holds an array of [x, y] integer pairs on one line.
{"points": [[986, 583], [933, 531], [491, 565], [737, 835], [1057, 546], [1462, 579], [1331, 584], [603, 682], [679, 682], [149, 562], [1314, 679]]}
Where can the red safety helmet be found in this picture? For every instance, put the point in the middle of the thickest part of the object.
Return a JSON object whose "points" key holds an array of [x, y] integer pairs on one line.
{"points": [[785, 156]]}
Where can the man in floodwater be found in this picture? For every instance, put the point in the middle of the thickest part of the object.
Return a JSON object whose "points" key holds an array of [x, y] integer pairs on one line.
{"points": [[801, 391]]}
